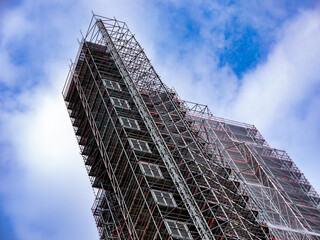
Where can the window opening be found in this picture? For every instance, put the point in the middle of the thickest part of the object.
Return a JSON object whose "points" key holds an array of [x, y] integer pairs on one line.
{"points": [[163, 198], [151, 170], [129, 123], [118, 102], [177, 229], [111, 84], [139, 145]]}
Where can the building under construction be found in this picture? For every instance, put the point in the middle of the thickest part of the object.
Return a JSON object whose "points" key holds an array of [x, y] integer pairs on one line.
{"points": [[164, 168]]}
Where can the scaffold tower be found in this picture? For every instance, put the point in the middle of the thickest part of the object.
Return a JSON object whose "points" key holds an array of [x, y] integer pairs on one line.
{"points": [[165, 168]]}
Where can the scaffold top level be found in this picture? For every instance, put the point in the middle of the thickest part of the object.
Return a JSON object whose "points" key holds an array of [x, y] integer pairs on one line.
{"points": [[123, 38]]}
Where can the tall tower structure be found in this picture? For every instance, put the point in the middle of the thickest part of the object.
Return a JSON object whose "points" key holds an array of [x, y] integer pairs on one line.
{"points": [[164, 168]]}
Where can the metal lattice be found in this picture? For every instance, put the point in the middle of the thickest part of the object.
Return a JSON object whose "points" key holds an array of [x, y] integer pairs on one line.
{"points": [[226, 181]]}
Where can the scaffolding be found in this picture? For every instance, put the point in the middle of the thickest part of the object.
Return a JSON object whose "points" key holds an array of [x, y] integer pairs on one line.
{"points": [[163, 168]]}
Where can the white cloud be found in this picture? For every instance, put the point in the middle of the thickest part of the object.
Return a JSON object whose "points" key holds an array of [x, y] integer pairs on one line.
{"points": [[48, 193], [15, 25], [8, 75], [51, 197], [277, 96], [288, 75]]}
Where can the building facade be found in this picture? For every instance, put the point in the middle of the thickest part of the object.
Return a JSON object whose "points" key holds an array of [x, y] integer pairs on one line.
{"points": [[164, 168]]}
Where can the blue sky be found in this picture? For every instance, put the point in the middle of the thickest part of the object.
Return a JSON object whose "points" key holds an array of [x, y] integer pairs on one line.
{"points": [[251, 61]]}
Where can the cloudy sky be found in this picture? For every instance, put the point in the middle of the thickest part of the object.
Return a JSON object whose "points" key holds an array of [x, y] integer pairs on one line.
{"points": [[252, 61]]}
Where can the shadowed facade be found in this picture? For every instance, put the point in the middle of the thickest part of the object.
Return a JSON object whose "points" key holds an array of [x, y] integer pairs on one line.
{"points": [[164, 168]]}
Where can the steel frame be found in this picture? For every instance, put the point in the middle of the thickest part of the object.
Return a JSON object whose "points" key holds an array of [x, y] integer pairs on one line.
{"points": [[205, 162], [277, 208]]}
